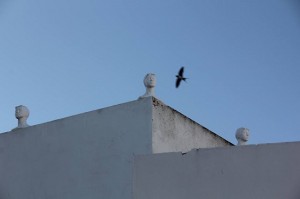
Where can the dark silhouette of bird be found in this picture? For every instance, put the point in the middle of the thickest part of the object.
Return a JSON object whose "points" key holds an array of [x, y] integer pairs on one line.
{"points": [[180, 77]]}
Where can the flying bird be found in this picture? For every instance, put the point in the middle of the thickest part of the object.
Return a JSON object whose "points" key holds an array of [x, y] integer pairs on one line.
{"points": [[180, 77]]}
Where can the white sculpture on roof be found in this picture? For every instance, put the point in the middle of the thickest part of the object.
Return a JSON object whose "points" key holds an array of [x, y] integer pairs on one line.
{"points": [[242, 136], [149, 82], [22, 114]]}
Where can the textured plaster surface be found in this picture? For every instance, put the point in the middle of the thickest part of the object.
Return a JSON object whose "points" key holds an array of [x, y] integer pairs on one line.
{"points": [[174, 132]]}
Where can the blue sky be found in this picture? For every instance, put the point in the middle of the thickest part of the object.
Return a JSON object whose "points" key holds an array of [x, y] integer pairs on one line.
{"points": [[61, 58]]}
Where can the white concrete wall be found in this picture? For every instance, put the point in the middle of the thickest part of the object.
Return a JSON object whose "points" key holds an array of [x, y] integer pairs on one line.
{"points": [[87, 156], [175, 132], [91, 155], [269, 171]]}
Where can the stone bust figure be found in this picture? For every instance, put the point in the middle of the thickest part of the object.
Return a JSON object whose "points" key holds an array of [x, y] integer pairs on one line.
{"points": [[22, 113], [242, 136], [149, 82]]}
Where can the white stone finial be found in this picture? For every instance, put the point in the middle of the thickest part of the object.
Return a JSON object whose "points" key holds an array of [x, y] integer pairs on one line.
{"points": [[22, 113], [242, 136], [149, 82]]}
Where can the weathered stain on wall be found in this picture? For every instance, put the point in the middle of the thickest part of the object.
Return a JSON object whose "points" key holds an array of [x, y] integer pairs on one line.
{"points": [[173, 131]]}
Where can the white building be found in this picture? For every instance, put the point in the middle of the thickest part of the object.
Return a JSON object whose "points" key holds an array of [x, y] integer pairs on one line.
{"points": [[91, 155], [142, 149]]}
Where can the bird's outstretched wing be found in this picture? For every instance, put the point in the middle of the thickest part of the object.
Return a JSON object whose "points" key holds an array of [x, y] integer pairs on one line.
{"points": [[178, 80], [180, 73]]}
